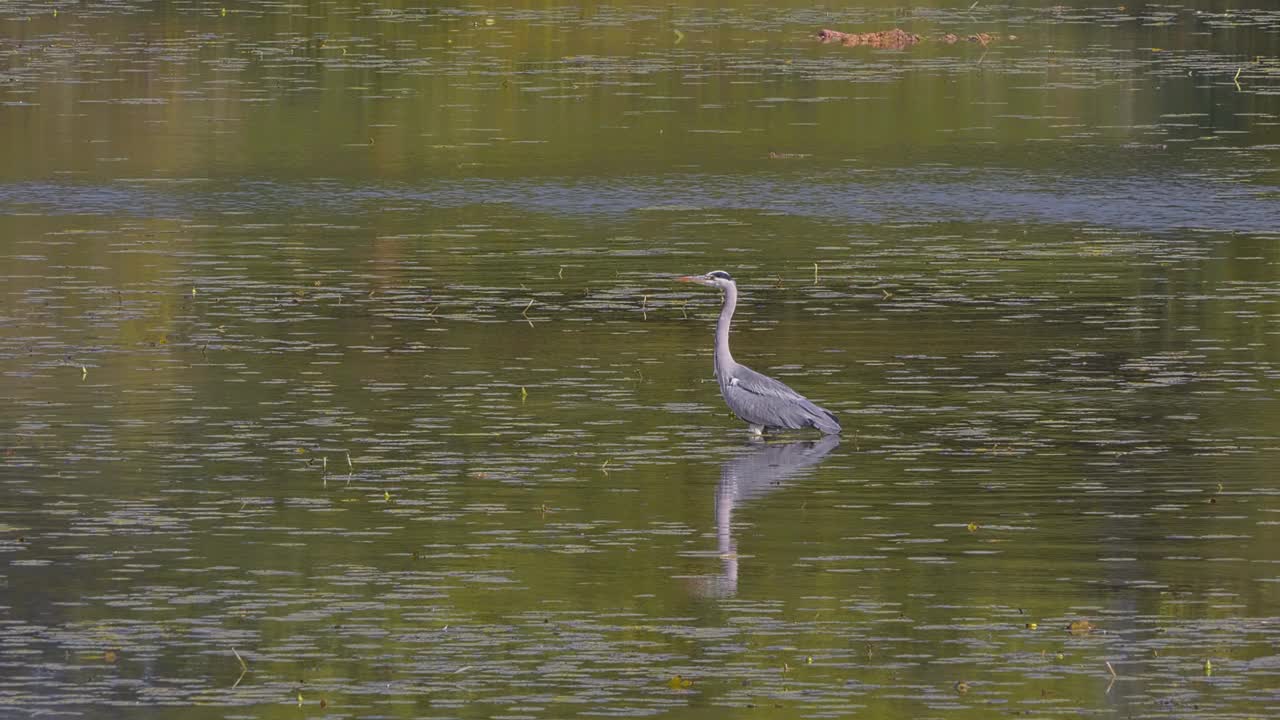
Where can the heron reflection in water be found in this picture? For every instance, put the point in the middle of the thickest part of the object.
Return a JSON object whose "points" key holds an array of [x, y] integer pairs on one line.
{"points": [[757, 470]]}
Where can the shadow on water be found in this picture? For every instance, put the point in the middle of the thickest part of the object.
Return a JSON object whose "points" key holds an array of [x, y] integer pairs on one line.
{"points": [[756, 470]]}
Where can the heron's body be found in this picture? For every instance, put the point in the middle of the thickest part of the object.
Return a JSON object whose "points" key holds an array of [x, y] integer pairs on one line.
{"points": [[757, 399]]}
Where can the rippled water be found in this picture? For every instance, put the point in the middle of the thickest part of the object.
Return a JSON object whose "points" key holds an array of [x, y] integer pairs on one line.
{"points": [[346, 375]]}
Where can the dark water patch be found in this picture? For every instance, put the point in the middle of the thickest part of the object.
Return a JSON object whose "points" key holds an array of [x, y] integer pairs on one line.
{"points": [[1130, 203]]}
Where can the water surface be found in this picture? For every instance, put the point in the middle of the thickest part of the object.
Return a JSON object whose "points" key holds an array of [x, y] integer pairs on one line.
{"points": [[346, 374]]}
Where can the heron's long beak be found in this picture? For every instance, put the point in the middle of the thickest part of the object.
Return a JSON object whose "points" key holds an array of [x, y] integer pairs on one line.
{"points": [[700, 279]]}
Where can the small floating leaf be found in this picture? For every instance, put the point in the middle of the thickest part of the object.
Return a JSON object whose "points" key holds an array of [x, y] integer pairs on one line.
{"points": [[678, 683]]}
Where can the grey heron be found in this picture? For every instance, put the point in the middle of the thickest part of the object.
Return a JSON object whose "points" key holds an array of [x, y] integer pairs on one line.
{"points": [[757, 399]]}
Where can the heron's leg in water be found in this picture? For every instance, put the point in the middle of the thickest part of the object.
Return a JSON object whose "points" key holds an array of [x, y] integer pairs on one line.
{"points": [[756, 430]]}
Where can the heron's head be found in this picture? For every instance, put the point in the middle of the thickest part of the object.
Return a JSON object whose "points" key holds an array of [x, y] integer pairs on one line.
{"points": [[715, 278]]}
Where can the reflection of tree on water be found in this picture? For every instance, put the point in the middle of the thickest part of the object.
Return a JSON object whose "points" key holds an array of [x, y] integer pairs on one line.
{"points": [[758, 469]]}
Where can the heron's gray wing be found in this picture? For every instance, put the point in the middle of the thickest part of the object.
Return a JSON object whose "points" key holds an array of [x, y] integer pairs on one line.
{"points": [[761, 400], [763, 385]]}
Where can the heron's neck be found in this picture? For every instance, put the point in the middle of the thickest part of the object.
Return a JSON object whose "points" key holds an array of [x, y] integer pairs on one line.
{"points": [[724, 360]]}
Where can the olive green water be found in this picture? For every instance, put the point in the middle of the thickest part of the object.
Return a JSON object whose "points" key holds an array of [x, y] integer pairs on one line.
{"points": [[344, 373]]}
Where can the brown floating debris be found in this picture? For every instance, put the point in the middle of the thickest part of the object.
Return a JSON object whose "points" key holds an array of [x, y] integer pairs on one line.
{"points": [[1081, 627], [895, 39], [983, 39]]}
